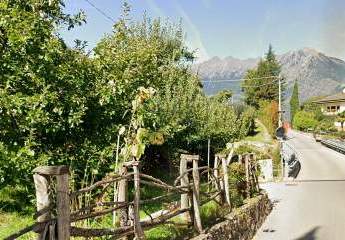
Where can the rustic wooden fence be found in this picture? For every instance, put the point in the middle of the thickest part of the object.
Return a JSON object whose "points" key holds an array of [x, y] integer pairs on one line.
{"points": [[57, 211]]}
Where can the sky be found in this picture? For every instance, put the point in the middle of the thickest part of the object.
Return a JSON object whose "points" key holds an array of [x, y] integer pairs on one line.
{"points": [[237, 28]]}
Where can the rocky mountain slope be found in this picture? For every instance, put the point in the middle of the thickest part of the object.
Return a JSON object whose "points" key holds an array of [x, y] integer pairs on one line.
{"points": [[317, 74]]}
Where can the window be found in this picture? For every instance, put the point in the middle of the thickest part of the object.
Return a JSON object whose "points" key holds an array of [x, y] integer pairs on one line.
{"points": [[333, 109]]}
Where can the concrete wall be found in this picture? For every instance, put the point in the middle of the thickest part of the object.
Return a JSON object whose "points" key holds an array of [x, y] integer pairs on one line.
{"points": [[266, 170], [242, 223]]}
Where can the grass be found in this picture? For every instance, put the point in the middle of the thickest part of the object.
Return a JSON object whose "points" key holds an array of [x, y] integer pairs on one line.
{"points": [[14, 212], [277, 167], [13, 222], [260, 134]]}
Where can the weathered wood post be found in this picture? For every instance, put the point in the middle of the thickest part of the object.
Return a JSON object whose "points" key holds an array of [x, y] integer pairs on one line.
{"points": [[184, 183], [226, 181], [122, 197], [196, 193], [254, 170], [138, 231], [42, 177], [246, 167], [63, 207], [43, 202], [216, 175]]}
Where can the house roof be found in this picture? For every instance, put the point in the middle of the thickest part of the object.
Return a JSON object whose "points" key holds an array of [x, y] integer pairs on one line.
{"points": [[339, 97]]}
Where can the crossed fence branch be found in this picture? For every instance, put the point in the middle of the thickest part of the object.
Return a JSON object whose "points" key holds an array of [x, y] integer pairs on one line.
{"points": [[187, 185]]}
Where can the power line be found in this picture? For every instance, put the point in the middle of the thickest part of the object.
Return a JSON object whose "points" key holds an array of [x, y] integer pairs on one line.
{"points": [[239, 79], [100, 11], [255, 86]]}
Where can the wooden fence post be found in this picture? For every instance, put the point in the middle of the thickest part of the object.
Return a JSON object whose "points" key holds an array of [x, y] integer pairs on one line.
{"points": [[184, 183], [246, 167], [216, 176], [239, 158], [63, 207], [42, 177], [196, 194], [43, 202], [122, 197], [226, 181], [254, 171], [138, 231]]}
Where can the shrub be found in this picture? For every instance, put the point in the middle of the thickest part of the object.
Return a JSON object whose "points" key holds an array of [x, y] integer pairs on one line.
{"points": [[268, 115], [304, 120]]}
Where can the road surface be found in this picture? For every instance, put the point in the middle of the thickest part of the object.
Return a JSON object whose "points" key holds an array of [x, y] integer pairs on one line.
{"points": [[313, 206]]}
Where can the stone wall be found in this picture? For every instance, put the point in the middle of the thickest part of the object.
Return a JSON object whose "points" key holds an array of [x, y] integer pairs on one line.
{"points": [[242, 223]]}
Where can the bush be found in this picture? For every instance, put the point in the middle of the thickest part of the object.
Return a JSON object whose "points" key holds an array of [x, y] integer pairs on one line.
{"points": [[58, 105], [305, 120], [268, 115]]}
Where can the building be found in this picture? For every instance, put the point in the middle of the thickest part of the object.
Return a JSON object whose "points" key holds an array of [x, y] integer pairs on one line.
{"points": [[333, 105]]}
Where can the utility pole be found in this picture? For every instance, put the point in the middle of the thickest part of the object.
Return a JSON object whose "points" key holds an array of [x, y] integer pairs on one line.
{"points": [[208, 161], [280, 123]]}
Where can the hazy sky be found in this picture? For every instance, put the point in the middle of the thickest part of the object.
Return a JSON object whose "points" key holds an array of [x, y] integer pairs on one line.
{"points": [[238, 28]]}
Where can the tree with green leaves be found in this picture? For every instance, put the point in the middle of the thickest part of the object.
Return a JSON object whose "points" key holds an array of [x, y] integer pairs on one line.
{"points": [[305, 120], [223, 96], [261, 83], [58, 105], [294, 102]]}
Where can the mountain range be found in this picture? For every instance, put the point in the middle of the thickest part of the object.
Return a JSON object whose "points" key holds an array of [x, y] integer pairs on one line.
{"points": [[316, 73]]}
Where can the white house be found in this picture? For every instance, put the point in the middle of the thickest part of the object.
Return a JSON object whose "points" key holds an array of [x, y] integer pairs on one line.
{"points": [[333, 105]]}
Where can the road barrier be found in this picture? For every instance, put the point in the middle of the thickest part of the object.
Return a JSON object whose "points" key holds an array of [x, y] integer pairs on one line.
{"points": [[336, 145], [292, 165]]}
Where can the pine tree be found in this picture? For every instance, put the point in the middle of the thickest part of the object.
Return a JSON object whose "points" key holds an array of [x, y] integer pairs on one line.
{"points": [[262, 82], [294, 102]]}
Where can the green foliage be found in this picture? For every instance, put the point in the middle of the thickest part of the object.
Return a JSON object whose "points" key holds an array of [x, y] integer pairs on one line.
{"points": [[326, 125], [268, 115], [246, 148], [223, 96], [276, 157], [311, 106], [305, 120], [44, 89], [294, 102], [261, 82], [60, 106]]}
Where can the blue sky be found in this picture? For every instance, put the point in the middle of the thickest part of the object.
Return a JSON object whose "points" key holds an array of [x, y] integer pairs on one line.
{"points": [[238, 28]]}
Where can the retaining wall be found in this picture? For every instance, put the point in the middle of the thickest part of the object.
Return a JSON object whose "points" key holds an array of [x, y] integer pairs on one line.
{"points": [[242, 223]]}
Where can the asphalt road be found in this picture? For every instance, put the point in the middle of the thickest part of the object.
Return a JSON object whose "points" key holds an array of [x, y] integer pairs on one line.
{"points": [[313, 206]]}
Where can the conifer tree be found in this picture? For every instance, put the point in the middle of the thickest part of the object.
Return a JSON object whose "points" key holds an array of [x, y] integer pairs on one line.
{"points": [[262, 82], [294, 102]]}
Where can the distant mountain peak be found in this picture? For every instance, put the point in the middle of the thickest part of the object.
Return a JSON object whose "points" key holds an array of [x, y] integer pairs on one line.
{"points": [[318, 74], [311, 51]]}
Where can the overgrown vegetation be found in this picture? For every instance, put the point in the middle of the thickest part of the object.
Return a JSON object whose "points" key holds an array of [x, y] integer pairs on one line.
{"points": [[268, 115], [294, 101], [310, 117], [58, 105], [261, 90]]}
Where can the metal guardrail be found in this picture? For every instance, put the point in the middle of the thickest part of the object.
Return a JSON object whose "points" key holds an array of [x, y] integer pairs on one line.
{"points": [[336, 145], [292, 165]]}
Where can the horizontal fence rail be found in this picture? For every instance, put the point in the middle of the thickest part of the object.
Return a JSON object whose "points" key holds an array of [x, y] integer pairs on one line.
{"points": [[195, 186]]}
